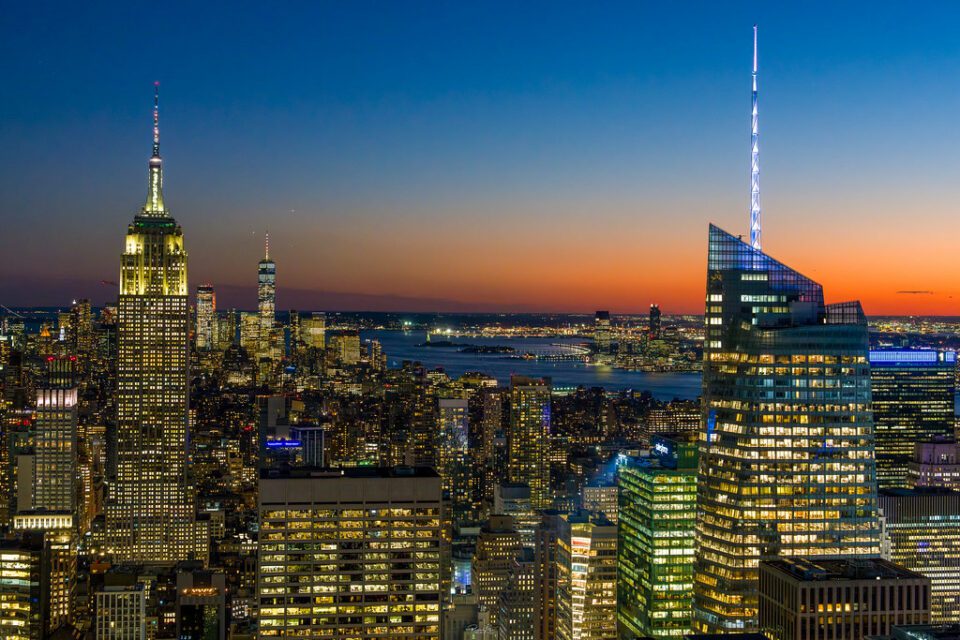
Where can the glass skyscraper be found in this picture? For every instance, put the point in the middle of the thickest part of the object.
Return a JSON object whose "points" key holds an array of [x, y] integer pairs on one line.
{"points": [[913, 398], [657, 513], [923, 530], [786, 450]]}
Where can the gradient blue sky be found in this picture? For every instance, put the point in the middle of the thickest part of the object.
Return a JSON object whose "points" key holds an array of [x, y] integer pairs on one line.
{"points": [[540, 156]]}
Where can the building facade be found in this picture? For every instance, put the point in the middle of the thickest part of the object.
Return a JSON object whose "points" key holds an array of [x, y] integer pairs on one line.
{"points": [[655, 550], [206, 317], [586, 579], [803, 599], [529, 437], [55, 443], [923, 530], [934, 464], [913, 398], [351, 553], [149, 514], [497, 546], [121, 613], [786, 456], [266, 304], [455, 466]]}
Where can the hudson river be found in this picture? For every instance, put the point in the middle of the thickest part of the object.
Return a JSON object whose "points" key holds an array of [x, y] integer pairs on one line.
{"points": [[403, 345]]}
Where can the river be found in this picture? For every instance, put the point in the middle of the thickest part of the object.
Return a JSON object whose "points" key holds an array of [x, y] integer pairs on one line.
{"points": [[404, 345]]}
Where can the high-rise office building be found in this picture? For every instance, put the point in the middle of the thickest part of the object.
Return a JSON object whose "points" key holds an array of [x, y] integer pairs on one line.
{"points": [[55, 440], [586, 579], [515, 617], [529, 437], [658, 505], [367, 542], [913, 398], [602, 335], [497, 546], [266, 302], [206, 317], [150, 517], [923, 530], [313, 329], [454, 456], [545, 578], [786, 458], [82, 327], [653, 327], [837, 599]]}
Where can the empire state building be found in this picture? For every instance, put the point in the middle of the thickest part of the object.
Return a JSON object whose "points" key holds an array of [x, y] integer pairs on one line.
{"points": [[149, 516]]}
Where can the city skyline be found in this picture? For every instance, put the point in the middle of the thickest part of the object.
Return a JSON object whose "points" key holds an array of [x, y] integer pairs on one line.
{"points": [[381, 176]]}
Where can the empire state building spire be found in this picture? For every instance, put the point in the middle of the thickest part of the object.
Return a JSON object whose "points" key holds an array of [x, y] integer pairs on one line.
{"points": [[154, 204], [755, 158]]}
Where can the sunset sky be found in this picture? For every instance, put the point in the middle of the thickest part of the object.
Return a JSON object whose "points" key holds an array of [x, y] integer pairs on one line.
{"points": [[484, 156]]}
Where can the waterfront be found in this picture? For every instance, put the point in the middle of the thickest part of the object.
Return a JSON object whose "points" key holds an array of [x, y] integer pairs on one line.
{"points": [[405, 345]]}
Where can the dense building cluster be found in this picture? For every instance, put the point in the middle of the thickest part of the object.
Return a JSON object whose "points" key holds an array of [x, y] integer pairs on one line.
{"points": [[172, 470]]}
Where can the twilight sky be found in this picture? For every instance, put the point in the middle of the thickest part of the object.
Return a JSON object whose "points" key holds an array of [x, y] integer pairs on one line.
{"points": [[478, 155]]}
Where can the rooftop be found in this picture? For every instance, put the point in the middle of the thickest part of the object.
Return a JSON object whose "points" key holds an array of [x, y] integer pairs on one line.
{"points": [[349, 472], [841, 569], [901, 492]]}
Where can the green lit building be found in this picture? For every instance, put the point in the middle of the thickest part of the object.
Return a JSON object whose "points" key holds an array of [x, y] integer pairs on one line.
{"points": [[923, 529], [786, 451], [657, 516], [913, 398]]}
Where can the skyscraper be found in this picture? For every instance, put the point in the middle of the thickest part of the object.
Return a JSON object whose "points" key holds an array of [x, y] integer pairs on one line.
{"points": [[913, 398], [515, 617], [654, 322], [454, 459], [923, 528], [658, 504], [55, 426], [266, 302], [529, 437], [586, 579], [601, 332], [786, 458], [497, 545], [149, 517], [206, 317]]}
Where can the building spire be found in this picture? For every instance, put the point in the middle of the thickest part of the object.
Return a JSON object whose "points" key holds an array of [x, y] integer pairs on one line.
{"points": [[154, 205], [755, 158], [156, 119], [266, 246]]}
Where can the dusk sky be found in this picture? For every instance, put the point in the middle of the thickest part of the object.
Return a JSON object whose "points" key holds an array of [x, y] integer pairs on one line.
{"points": [[483, 156]]}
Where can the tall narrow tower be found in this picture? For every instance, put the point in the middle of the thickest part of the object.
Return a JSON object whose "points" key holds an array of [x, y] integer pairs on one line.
{"points": [[266, 301], [755, 158], [149, 515]]}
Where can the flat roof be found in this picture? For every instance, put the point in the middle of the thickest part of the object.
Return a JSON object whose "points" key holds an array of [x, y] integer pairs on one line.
{"points": [[841, 569], [901, 492], [286, 473]]}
